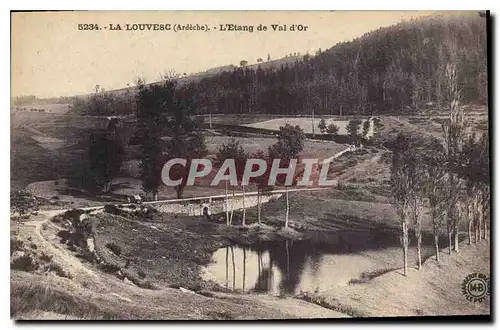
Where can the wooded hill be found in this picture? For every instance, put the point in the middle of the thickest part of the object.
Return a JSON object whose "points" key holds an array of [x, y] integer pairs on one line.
{"points": [[389, 70], [383, 71]]}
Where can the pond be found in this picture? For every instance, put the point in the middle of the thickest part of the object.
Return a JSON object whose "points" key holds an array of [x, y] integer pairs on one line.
{"points": [[321, 262]]}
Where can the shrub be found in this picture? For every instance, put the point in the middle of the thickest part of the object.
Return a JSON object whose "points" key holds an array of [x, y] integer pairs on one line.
{"points": [[73, 214], [25, 263], [23, 202], [111, 208], [58, 270], [45, 257], [64, 235], [15, 245], [109, 268], [341, 185], [332, 129], [114, 248]]}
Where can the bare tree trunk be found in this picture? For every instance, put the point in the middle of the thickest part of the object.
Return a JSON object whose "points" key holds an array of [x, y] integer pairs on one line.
{"points": [[227, 266], [450, 246], [436, 243], [418, 231], [244, 209], [244, 266], [232, 209], [227, 206], [405, 247], [258, 205], [469, 231], [287, 207], [475, 230], [456, 222], [448, 230], [259, 256], [419, 248], [485, 228], [469, 222], [287, 260], [480, 223], [234, 268]]}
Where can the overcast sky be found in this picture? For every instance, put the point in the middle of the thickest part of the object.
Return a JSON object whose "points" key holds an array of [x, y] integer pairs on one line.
{"points": [[51, 57]]}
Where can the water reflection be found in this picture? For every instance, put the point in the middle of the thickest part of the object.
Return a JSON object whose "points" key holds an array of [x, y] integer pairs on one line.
{"points": [[286, 267]]}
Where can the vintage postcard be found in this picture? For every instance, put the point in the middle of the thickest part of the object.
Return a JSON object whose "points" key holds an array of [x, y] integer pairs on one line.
{"points": [[230, 165]]}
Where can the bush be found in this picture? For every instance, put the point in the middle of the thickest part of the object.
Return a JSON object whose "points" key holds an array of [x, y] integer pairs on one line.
{"points": [[141, 273], [45, 257], [23, 202], [341, 185], [64, 235], [15, 245], [58, 270], [112, 209], [25, 263], [114, 248], [73, 214], [109, 268]]}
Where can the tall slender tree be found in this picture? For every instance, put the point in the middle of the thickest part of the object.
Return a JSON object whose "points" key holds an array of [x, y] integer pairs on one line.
{"points": [[290, 144], [434, 187], [401, 191]]}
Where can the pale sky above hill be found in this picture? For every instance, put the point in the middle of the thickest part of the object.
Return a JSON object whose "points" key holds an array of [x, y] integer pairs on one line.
{"points": [[51, 57]]}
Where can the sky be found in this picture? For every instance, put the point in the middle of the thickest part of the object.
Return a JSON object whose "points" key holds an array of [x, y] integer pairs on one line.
{"points": [[51, 57]]}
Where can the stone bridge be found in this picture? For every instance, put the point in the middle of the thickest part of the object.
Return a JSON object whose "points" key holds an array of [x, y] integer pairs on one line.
{"points": [[216, 204]]}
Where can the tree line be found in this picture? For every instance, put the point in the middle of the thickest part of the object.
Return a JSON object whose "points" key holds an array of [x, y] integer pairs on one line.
{"points": [[451, 178], [384, 71]]}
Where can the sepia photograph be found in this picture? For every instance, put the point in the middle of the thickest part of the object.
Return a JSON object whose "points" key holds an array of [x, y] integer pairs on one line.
{"points": [[250, 165]]}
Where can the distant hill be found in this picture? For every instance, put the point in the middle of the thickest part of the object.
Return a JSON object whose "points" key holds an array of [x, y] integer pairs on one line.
{"points": [[392, 70], [197, 77]]}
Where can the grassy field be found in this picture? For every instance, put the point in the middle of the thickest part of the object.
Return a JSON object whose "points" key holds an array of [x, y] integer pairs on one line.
{"points": [[306, 123], [312, 149]]}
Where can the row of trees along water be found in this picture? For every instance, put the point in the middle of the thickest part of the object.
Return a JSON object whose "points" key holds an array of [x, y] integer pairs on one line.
{"points": [[383, 71], [451, 179]]}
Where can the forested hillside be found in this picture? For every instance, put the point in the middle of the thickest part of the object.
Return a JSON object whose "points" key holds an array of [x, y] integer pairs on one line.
{"points": [[382, 71], [396, 68]]}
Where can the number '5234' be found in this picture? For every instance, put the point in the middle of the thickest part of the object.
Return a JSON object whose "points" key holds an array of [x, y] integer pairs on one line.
{"points": [[88, 27]]}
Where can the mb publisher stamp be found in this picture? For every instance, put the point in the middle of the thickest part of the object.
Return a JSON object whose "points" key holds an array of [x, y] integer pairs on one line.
{"points": [[475, 287]]}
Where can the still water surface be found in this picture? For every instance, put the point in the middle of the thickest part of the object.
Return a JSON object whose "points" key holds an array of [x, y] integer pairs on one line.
{"points": [[288, 267]]}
